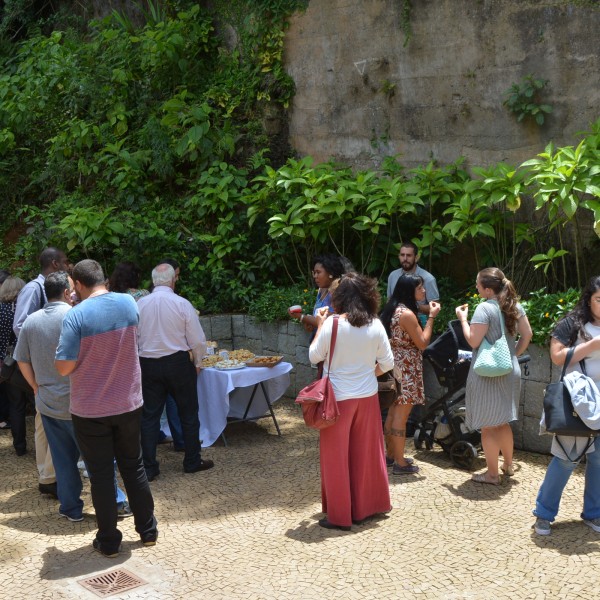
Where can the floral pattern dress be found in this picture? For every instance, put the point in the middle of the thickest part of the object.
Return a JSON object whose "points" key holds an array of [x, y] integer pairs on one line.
{"points": [[408, 361]]}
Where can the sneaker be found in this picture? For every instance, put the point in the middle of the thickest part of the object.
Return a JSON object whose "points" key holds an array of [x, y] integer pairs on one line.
{"points": [[542, 526], [105, 552], [389, 462], [593, 523], [406, 470], [124, 511], [72, 519], [149, 539]]}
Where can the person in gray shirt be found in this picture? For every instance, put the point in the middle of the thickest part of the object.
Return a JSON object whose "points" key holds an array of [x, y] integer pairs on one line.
{"points": [[35, 352], [408, 266]]}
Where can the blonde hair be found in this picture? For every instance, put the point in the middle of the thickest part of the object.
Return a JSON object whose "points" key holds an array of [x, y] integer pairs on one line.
{"points": [[10, 289]]}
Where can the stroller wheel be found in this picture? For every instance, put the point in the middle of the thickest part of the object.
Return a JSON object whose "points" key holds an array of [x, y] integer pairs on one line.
{"points": [[462, 454], [421, 438]]}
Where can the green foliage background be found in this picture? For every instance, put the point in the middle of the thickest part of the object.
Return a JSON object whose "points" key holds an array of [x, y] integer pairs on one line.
{"points": [[121, 140]]}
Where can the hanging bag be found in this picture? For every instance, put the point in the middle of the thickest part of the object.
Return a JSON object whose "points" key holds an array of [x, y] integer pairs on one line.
{"points": [[494, 360], [319, 406], [559, 415]]}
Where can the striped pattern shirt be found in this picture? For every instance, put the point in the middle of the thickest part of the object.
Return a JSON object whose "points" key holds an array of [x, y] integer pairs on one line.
{"points": [[101, 335]]}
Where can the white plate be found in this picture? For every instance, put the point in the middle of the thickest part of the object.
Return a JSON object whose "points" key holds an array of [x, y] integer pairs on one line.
{"points": [[232, 368]]}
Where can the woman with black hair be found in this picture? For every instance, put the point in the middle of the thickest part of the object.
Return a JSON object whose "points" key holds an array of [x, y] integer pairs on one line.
{"points": [[408, 340], [580, 328], [354, 483], [326, 270], [125, 279]]}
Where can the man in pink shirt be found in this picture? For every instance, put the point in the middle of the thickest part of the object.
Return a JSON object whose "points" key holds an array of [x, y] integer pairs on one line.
{"points": [[171, 346]]}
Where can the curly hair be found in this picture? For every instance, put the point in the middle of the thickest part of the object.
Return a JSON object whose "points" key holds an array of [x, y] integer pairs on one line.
{"points": [[404, 293], [494, 279], [358, 297], [582, 312], [125, 276]]}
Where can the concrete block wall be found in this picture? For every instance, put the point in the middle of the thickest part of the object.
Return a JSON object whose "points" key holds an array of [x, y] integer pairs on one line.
{"points": [[288, 338]]}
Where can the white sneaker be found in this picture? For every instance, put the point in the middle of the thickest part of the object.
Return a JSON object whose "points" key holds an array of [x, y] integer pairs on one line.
{"points": [[542, 526], [593, 523]]}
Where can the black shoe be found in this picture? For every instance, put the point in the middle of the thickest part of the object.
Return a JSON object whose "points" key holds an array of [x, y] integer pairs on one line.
{"points": [[179, 448], [109, 553], [149, 539], [203, 465], [21, 451], [327, 525], [152, 475], [49, 489]]}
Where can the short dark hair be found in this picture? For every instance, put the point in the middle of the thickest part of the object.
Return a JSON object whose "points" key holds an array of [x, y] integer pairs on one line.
{"points": [[410, 245], [49, 255], [331, 263], [55, 284], [125, 276], [88, 272], [358, 297]]}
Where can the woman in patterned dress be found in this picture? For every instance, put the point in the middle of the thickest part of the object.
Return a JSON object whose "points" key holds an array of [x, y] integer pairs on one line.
{"points": [[491, 402], [408, 340]]}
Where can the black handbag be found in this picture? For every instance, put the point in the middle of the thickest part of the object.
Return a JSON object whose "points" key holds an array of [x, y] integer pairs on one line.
{"points": [[11, 374], [9, 365], [559, 414]]}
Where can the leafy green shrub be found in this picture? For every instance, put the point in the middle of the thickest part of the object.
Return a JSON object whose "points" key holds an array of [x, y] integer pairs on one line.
{"points": [[272, 303], [523, 99]]}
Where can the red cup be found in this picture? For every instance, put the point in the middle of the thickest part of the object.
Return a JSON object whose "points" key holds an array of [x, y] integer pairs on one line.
{"points": [[296, 309]]}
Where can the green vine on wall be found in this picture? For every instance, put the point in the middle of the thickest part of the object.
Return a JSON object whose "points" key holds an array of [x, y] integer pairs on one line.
{"points": [[524, 99]]}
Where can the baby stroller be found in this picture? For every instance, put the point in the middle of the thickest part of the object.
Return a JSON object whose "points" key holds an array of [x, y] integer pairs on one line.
{"points": [[444, 420]]}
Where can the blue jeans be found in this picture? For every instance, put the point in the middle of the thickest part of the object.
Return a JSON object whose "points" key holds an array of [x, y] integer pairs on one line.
{"points": [[65, 454], [174, 422], [557, 476]]}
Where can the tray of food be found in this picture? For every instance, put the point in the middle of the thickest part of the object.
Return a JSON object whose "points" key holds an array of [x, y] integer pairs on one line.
{"points": [[210, 360], [264, 361], [241, 354], [229, 365]]}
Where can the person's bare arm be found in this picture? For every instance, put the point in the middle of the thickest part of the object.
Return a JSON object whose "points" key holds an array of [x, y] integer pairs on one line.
{"points": [[558, 351], [475, 332], [525, 334], [27, 371], [65, 367], [409, 322]]}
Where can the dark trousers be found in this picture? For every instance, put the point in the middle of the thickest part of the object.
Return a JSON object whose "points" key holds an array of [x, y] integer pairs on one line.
{"points": [[101, 441], [18, 400], [176, 375]]}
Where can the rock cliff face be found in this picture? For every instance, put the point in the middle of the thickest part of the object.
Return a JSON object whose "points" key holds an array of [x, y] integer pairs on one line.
{"points": [[362, 95]]}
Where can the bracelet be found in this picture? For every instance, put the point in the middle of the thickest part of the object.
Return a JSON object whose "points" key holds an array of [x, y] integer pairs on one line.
{"points": [[302, 317]]}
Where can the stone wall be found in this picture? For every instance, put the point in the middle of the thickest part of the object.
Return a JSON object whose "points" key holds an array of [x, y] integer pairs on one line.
{"points": [[362, 94], [289, 339]]}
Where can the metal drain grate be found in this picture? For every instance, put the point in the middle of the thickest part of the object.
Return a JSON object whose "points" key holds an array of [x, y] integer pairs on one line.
{"points": [[112, 583]]}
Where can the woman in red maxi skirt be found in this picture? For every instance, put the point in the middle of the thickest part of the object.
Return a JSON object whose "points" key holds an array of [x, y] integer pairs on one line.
{"points": [[354, 481]]}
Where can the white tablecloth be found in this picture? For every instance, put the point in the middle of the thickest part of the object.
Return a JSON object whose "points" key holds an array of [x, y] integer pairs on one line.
{"points": [[223, 394]]}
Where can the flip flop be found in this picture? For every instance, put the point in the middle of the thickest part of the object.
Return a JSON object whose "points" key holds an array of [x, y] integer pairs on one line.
{"points": [[508, 470], [480, 478]]}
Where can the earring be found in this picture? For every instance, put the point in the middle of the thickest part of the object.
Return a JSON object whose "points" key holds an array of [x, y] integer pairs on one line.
{"points": [[331, 277]]}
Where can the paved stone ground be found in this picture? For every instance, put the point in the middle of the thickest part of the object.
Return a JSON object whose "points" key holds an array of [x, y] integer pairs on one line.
{"points": [[248, 529]]}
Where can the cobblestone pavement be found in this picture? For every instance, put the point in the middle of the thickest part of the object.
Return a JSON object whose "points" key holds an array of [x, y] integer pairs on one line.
{"points": [[248, 529]]}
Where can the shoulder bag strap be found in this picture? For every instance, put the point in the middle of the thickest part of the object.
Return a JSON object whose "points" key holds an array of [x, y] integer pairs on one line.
{"points": [[501, 318], [567, 361], [334, 331]]}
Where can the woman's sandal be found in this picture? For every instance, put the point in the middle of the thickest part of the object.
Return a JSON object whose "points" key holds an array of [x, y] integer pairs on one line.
{"points": [[481, 478], [508, 470]]}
